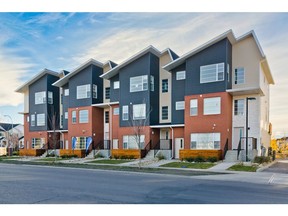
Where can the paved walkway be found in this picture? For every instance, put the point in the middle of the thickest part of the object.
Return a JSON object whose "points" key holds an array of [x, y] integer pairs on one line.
{"points": [[223, 166]]}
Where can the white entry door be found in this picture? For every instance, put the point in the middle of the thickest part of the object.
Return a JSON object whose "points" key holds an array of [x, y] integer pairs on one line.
{"points": [[179, 144]]}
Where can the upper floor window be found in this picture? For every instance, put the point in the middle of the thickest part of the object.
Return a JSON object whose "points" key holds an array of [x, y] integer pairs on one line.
{"points": [[83, 116], [94, 91], [212, 106], [116, 85], [40, 97], [139, 111], [66, 115], [193, 107], [74, 120], [180, 105], [164, 112], [66, 92], [164, 85], [212, 73], [106, 116], [125, 113], [116, 111], [239, 76], [33, 120], [180, 75], [239, 107], [27, 118], [84, 91], [139, 83], [151, 83], [41, 119], [107, 93], [50, 97]]}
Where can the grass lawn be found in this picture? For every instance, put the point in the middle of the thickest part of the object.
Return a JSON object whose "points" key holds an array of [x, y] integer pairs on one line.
{"points": [[51, 159], [108, 161], [239, 167], [189, 165], [9, 157]]}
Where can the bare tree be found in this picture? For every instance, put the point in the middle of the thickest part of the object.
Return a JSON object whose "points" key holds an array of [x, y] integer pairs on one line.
{"points": [[138, 124], [53, 123]]}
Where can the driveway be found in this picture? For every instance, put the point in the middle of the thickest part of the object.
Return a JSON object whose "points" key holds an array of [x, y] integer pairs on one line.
{"points": [[279, 167]]}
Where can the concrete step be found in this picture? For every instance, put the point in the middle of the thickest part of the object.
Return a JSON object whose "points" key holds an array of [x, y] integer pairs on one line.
{"points": [[231, 156]]}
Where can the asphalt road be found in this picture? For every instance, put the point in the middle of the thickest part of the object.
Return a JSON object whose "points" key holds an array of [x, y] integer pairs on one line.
{"points": [[22, 184]]}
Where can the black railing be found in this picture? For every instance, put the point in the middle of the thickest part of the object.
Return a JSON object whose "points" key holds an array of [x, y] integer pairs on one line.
{"points": [[146, 149], [225, 148], [103, 145], [239, 149]]}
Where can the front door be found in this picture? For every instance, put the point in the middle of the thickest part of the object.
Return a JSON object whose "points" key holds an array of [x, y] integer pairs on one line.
{"points": [[179, 144], [238, 133]]}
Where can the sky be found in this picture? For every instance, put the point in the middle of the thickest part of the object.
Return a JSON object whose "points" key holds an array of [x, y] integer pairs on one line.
{"points": [[30, 42]]}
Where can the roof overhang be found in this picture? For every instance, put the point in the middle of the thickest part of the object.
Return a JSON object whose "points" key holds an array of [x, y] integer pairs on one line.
{"points": [[114, 71], [66, 78], [105, 105], [245, 91], [267, 72], [167, 126], [26, 85]]}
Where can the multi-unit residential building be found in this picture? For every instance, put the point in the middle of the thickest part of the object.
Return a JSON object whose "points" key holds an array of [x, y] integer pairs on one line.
{"points": [[156, 102]]}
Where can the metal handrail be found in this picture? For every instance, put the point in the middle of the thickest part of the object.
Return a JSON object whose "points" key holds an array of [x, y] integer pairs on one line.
{"points": [[226, 147], [238, 149]]}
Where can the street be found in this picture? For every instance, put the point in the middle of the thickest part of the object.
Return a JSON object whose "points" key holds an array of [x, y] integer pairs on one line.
{"points": [[23, 184]]}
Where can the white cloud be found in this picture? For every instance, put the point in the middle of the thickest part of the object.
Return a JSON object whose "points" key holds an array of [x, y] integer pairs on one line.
{"points": [[12, 69]]}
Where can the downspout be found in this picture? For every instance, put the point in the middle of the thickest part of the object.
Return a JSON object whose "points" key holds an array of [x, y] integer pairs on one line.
{"points": [[110, 128], [172, 155]]}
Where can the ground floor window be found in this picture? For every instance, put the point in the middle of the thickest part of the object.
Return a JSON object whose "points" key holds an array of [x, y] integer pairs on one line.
{"points": [[131, 142], [205, 141], [38, 143], [81, 143]]}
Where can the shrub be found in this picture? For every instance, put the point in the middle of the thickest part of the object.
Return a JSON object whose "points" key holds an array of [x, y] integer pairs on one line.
{"points": [[189, 159], [131, 157], [199, 159], [123, 157], [212, 159], [262, 159], [69, 156], [160, 157], [116, 157], [269, 151], [15, 153], [98, 156], [50, 155]]}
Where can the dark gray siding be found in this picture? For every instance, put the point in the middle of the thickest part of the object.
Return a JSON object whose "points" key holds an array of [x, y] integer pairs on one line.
{"points": [[177, 94], [88, 75], [139, 67], [154, 95], [216, 53], [114, 93], [65, 107], [44, 84]]}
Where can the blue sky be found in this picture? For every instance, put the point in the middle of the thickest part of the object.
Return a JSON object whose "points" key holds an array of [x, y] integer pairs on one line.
{"points": [[30, 42]]}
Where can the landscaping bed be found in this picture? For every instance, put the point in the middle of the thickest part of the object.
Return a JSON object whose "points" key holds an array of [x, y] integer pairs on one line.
{"points": [[189, 165], [244, 168]]}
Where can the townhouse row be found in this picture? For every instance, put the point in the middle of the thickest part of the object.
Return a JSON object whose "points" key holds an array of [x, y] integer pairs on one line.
{"points": [[156, 101]]}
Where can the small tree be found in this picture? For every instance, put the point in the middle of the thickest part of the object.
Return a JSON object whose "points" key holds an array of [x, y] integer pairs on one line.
{"points": [[53, 120], [138, 124]]}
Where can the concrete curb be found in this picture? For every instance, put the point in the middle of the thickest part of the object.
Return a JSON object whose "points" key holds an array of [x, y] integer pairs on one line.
{"points": [[267, 166]]}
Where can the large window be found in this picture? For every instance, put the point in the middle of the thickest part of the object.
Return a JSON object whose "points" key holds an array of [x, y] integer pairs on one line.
{"points": [[40, 97], [94, 91], [205, 141], [193, 107], [239, 76], [212, 106], [50, 97], [212, 73], [164, 112], [107, 93], [180, 105], [33, 120], [74, 119], [41, 119], [164, 85], [131, 142], [83, 116], [180, 75], [38, 143], [239, 107], [139, 83], [125, 113], [84, 91], [139, 111]]}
